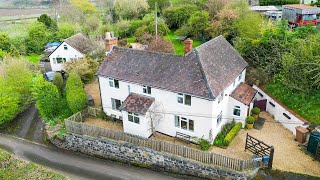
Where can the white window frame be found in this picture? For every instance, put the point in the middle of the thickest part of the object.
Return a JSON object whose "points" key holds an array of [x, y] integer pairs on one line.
{"points": [[62, 62], [112, 83], [135, 118], [240, 77], [178, 123], [146, 90], [219, 119], [221, 97], [114, 104], [183, 97], [236, 108]]}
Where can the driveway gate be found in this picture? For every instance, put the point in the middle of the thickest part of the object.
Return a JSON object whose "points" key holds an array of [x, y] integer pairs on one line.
{"points": [[260, 148]]}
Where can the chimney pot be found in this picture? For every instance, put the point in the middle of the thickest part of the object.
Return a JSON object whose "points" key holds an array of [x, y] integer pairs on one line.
{"points": [[187, 45]]}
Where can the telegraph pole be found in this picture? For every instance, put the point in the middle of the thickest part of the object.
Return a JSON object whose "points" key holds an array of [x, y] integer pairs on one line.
{"points": [[156, 20]]}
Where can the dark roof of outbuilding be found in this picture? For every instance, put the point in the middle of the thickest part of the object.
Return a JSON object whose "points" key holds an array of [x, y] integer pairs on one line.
{"points": [[204, 72], [136, 103], [244, 93], [80, 42]]}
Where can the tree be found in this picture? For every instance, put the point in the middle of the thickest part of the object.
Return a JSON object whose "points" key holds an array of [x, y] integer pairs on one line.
{"points": [[148, 26], [9, 104], [177, 16], [38, 36], [155, 114], [90, 25], [4, 41], [84, 5], [161, 5], [65, 30], [75, 93], [130, 9], [85, 68], [58, 81], [215, 6], [46, 20], [196, 26], [48, 100], [157, 44]]}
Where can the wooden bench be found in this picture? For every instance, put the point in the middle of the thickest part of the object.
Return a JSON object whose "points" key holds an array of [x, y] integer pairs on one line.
{"points": [[183, 137]]}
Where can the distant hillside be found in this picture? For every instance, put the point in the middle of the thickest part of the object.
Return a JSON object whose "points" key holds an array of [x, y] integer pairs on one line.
{"points": [[24, 3]]}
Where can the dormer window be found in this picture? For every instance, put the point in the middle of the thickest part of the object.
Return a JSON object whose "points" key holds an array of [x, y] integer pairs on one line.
{"points": [[184, 99], [114, 83], [146, 89], [65, 47]]}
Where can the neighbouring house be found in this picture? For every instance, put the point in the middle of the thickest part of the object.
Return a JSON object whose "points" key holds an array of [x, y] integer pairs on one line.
{"points": [[193, 94], [72, 48]]}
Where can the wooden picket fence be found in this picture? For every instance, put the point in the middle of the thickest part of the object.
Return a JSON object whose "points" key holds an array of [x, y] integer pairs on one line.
{"points": [[74, 125]]}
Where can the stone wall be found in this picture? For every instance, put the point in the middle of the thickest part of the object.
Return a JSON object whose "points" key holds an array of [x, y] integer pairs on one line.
{"points": [[145, 157]]}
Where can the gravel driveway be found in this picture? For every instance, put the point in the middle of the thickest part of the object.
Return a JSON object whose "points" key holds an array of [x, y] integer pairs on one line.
{"points": [[287, 156]]}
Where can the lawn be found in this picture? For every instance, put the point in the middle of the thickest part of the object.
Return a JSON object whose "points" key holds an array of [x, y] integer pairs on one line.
{"points": [[33, 58], [16, 28], [178, 46], [14, 168], [305, 105]]}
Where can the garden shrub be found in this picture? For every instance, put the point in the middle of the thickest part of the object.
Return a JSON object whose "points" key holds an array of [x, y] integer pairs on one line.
{"points": [[233, 132], [85, 68], [219, 140], [47, 98], [58, 81], [75, 93], [250, 120], [204, 144], [255, 111]]}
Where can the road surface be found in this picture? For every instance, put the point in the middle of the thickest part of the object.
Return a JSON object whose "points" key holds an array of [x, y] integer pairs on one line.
{"points": [[76, 165]]}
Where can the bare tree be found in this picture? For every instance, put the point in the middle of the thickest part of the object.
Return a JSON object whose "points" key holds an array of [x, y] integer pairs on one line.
{"points": [[155, 115]]}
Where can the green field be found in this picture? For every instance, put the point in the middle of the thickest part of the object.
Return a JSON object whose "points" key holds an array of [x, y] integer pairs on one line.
{"points": [[305, 105], [16, 28], [14, 168]]}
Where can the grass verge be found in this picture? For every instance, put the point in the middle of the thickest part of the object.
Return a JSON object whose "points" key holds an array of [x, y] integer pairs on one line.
{"points": [[14, 168]]}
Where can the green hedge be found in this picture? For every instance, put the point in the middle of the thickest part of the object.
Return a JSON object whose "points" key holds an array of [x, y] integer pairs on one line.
{"points": [[277, 2], [234, 131]]}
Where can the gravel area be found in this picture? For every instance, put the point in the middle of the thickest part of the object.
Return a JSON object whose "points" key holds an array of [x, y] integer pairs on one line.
{"points": [[93, 90], [288, 155], [104, 123]]}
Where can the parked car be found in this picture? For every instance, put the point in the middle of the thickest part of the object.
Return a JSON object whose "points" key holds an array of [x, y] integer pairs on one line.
{"points": [[49, 76]]}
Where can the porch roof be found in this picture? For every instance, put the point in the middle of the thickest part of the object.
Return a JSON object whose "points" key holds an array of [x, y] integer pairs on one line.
{"points": [[136, 103], [244, 93]]}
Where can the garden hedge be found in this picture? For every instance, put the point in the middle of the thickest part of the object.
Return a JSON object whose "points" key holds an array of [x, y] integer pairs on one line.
{"points": [[234, 131]]}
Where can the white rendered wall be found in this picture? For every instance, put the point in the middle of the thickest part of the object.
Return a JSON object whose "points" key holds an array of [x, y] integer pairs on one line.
{"points": [[142, 129], [60, 52], [278, 111], [200, 110]]}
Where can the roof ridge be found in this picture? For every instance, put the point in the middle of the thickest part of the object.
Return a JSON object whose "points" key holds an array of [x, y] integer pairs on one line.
{"points": [[146, 51]]}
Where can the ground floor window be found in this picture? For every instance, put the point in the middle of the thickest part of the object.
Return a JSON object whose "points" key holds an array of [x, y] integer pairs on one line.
{"points": [[59, 60], [133, 117], [116, 103], [236, 110], [184, 123]]}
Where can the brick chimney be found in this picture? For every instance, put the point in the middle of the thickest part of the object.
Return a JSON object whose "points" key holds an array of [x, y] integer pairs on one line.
{"points": [[187, 45], [110, 41]]}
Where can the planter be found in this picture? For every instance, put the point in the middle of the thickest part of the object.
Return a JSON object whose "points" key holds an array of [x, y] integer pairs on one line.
{"points": [[256, 116], [249, 126]]}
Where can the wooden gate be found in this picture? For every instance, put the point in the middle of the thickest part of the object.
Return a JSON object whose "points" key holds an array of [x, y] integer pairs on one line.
{"points": [[259, 148], [261, 104]]}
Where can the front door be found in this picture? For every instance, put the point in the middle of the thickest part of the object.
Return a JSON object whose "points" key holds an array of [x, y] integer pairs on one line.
{"points": [[261, 104]]}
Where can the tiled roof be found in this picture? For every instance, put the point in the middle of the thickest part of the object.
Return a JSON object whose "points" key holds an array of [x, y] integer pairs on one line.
{"points": [[137, 104], [244, 93], [79, 41], [203, 72]]}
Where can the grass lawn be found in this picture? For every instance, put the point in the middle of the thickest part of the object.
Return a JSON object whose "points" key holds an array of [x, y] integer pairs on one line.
{"points": [[14, 168], [16, 28], [305, 105], [33, 58], [178, 46]]}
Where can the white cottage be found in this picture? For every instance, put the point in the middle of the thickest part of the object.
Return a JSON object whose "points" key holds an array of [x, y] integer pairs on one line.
{"points": [[72, 48], [192, 94]]}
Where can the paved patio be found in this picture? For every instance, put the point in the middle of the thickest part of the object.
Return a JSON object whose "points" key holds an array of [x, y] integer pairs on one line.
{"points": [[287, 157]]}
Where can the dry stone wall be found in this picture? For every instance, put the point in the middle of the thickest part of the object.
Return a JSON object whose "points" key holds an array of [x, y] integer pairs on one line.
{"points": [[145, 157]]}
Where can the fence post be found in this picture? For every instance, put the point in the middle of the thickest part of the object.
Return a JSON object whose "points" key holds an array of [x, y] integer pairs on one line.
{"points": [[241, 165], [271, 158]]}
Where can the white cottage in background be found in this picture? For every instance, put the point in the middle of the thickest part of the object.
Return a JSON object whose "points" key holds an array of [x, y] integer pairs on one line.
{"points": [[73, 48], [193, 94]]}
